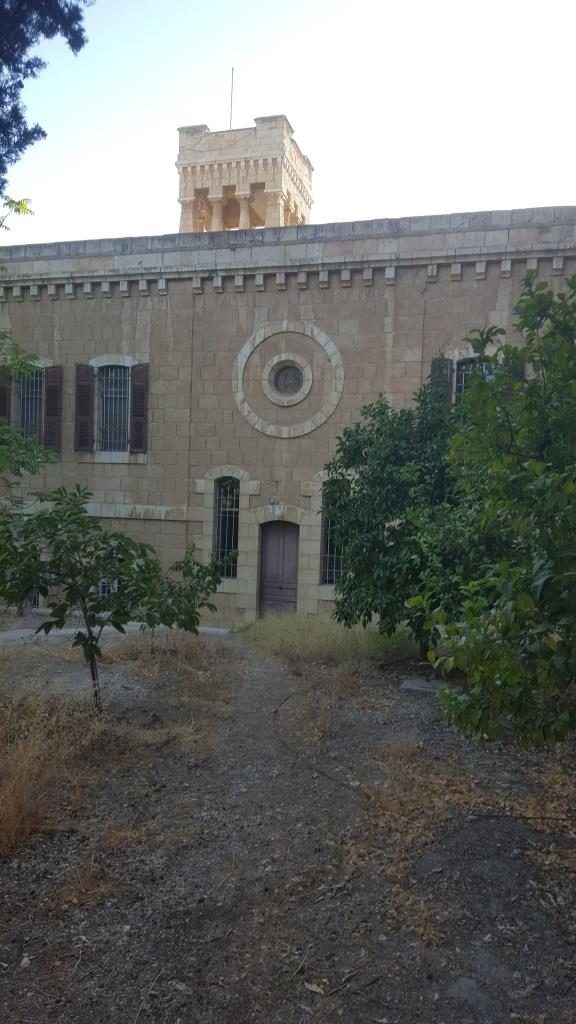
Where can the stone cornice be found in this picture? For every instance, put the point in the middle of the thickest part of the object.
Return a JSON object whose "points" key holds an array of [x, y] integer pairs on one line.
{"points": [[352, 273], [334, 252]]}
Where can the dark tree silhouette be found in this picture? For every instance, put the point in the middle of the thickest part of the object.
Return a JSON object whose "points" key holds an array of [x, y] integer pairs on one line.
{"points": [[23, 24]]}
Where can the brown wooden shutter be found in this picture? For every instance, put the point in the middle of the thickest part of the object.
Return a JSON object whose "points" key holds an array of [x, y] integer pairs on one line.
{"points": [[441, 376], [139, 408], [84, 415], [53, 380], [5, 397]]}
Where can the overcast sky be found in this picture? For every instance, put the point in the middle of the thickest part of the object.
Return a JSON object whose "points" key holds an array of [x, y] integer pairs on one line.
{"points": [[404, 108]]}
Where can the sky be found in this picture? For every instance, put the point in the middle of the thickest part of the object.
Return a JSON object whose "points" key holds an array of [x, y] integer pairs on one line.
{"points": [[404, 108]]}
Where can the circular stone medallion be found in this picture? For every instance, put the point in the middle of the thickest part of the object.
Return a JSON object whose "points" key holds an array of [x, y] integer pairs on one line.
{"points": [[286, 378]]}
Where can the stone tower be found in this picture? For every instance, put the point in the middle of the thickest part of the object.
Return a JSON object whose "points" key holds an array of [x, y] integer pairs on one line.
{"points": [[244, 178]]}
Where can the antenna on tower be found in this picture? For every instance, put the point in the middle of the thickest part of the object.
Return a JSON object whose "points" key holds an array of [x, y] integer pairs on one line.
{"points": [[231, 97]]}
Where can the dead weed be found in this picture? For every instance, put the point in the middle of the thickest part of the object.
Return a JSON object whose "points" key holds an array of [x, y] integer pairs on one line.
{"points": [[38, 739], [117, 836], [197, 669], [301, 640], [86, 886]]}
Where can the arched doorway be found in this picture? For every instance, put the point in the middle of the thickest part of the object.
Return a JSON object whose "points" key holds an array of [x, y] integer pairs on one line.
{"points": [[278, 567]]}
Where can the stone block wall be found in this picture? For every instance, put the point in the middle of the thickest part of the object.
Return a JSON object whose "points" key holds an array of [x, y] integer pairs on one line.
{"points": [[359, 309]]}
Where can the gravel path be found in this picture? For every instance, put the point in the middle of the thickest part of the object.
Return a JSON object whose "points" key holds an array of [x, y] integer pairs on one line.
{"points": [[269, 891]]}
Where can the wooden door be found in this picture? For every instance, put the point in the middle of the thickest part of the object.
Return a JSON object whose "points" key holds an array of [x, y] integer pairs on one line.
{"points": [[278, 568]]}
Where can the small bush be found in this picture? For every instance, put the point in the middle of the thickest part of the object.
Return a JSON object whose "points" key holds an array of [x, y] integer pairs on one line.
{"points": [[303, 639]]}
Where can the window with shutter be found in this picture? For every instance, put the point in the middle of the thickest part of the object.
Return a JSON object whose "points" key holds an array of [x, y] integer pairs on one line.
{"points": [[139, 408], [441, 374], [113, 408], [53, 383], [84, 416], [5, 397]]}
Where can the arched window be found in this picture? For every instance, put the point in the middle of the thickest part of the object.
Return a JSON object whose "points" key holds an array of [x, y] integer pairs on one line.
{"points": [[331, 554], [226, 510]]}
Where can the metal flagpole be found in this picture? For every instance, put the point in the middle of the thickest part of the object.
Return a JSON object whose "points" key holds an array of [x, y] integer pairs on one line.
{"points": [[231, 97]]}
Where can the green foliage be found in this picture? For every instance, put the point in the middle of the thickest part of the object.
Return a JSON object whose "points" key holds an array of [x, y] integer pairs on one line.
{"points": [[463, 523], [67, 556], [11, 206], [516, 457], [24, 24], [388, 495]]}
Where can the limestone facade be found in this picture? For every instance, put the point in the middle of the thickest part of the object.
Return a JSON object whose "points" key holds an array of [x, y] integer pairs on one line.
{"points": [[246, 354], [243, 178]]}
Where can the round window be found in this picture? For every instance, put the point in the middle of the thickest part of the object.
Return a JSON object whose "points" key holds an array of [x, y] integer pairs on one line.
{"points": [[288, 380]]}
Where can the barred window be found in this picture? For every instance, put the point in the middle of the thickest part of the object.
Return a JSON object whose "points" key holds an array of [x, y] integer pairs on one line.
{"points": [[30, 408], [464, 367], [106, 587], [226, 514], [113, 408], [331, 555]]}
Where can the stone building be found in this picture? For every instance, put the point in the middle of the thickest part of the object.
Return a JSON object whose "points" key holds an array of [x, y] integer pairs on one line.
{"points": [[245, 178], [197, 383]]}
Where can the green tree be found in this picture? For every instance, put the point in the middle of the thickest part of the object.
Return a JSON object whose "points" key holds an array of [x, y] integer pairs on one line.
{"points": [[388, 496], [23, 24], [107, 577], [514, 458]]}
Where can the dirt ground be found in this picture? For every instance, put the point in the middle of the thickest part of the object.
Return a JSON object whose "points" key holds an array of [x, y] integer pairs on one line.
{"points": [[247, 843]]}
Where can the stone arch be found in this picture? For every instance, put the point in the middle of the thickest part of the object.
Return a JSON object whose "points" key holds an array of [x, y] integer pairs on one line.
{"points": [[111, 360], [206, 486], [289, 514]]}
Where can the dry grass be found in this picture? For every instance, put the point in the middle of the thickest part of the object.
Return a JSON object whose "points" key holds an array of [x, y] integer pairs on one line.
{"points": [[86, 886], [301, 640], [417, 794], [37, 740], [118, 836], [196, 668]]}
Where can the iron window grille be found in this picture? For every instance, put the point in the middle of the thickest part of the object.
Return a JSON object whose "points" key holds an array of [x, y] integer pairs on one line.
{"points": [[113, 408], [464, 370], [331, 556], [226, 516], [106, 587], [30, 413]]}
